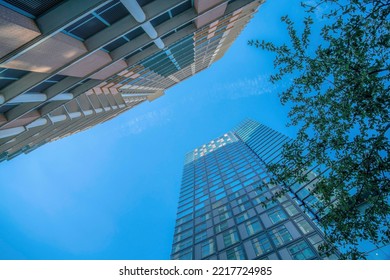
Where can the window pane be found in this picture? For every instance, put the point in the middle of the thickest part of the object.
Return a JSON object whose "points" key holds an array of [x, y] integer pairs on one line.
{"points": [[207, 248], [290, 209], [253, 226], [261, 245], [236, 253], [301, 251], [277, 215], [230, 237], [242, 217], [220, 227], [281, 235], [303, 225]]}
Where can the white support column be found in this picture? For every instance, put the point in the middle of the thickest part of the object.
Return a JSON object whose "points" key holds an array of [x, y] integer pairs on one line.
{"points": [[11, 131], [136, 94], [58, 118], [134, 9], [29, 97], [88, 112], [38, 122], [74, 115], [149, 29], [37, 97], [62, 97], [159, 43]]}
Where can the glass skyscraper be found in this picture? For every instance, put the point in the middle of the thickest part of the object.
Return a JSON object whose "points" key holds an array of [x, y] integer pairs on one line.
{"points": [[224, 212]]}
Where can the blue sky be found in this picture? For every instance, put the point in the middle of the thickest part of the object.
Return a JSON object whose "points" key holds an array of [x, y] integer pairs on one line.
{"points": [[111, 192]]}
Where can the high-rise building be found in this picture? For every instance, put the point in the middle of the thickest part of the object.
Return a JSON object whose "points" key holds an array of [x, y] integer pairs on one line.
{"points": [[225, 210], [67, 65]]}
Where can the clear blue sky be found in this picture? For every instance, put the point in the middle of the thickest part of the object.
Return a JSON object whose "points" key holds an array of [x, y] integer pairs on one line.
{"points": [[111, 192]]}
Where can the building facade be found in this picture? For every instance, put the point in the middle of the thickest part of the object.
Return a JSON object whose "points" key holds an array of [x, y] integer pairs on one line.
{"points": [[67, 65], [225, 211]]}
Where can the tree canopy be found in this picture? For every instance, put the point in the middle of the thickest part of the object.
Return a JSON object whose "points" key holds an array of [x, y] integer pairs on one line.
{"points": [[338, 90]]}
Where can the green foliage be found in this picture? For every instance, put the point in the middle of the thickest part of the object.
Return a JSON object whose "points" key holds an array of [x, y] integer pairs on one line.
{"points": [[339, 92]]}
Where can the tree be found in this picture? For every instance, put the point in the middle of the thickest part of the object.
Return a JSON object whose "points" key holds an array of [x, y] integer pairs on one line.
{"points": [[339, 95]]}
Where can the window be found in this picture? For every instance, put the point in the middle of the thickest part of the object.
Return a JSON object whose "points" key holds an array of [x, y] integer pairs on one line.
{"points": [[182, 235], [184, 255], [277, 215], [246, 206], [264, 202], [315, 240], [222, 209], [290, 209], [281, 199], [236, 253], [216, 204], [189, 205], [230, 237], [242, 217], [224, 216], [200, 212], [236, 188], [182, 245], [183, 202], [207, 248], [252, 226], [204, 217], [200, 227], [301, 251], [184, 219], [242, 199], [280, 235], [200, 236], [220, 196], [183, 227], [220, 227], [184, 213], [233, 196], [303, 225], [199, 206], [261, 245]]}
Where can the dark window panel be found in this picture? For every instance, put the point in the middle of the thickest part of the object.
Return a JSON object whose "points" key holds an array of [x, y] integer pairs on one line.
{"points": [[6, 108], [168, 34], [35, 7], [78, 23], [181, 8], [89, 28], [116, 44], [5, 82], [13, 73], [184, 26], [144, 2], [147, 46], [41, 87], [133, 53], [135, 33], [115, 13], [107, 6], [57, 78], [160, 19]]}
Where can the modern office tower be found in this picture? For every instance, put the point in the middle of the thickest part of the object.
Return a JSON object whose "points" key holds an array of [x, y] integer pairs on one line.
{"points": [[223, 209], [67, 65]]}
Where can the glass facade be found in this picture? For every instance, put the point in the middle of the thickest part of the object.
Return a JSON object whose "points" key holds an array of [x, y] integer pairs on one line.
{"points": [[224, 210]]}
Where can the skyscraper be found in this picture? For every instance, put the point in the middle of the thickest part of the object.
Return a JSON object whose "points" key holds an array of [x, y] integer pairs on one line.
{"points": [[67, 65], [224, 212]]}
